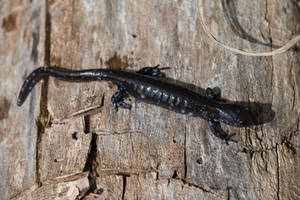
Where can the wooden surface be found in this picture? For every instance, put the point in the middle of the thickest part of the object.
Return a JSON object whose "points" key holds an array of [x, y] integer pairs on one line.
{"points": [[68, 142]]}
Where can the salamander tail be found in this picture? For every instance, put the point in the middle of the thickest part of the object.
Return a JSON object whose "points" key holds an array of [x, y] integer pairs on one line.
{"points": [[60, 73]]}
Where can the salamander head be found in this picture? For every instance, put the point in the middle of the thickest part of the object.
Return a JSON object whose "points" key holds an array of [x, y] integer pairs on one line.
{"points": [[236, 115]]}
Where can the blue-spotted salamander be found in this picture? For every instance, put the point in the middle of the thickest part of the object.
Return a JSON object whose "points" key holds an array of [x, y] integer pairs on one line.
{"points": [[147, 87]]}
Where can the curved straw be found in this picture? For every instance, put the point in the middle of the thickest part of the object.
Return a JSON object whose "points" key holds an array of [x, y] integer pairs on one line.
{"points": [[282, 49]]}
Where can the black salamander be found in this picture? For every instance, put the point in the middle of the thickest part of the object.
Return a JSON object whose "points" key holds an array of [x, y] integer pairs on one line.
{"points": [[146, 86]]}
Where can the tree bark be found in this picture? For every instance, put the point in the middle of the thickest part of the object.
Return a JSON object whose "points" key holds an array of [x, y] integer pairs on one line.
{"points": [[68, 142]]}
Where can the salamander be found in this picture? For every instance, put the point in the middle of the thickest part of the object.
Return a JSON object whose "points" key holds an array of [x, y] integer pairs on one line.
{"points": [[147, 86]]}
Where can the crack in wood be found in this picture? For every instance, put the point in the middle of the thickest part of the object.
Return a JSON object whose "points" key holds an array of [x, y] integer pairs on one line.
{"points": [[124, 172], [278, 173], [43, 118], [228, 192], [184, 155], [86, 124], [91, 159], [285, 141], [124, 186], [201, 187], [88, 111]]}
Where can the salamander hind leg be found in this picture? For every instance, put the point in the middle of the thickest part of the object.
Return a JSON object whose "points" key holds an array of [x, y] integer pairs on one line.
{"points": [[217, 130], [214, 94], [151, 71], [118, 99]]}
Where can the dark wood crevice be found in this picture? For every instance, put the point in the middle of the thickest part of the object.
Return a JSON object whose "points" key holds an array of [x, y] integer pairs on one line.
{"points": [[90, 163], [42, 119]]}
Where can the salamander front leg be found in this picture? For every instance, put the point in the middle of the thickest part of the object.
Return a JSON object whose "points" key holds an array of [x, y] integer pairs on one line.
{"points": [[118, 99], [151, 71], [217, 130], [214, 94]]}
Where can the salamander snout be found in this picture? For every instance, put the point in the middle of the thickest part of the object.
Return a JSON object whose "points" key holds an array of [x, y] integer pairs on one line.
{"points": [[236, 115]]}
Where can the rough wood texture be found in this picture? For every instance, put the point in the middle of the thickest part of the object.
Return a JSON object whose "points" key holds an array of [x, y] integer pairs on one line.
{"points": [[147, 152], [70, 187], [21, 49]]}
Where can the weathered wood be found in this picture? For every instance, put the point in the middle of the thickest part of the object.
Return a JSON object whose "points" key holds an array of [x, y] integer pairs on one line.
{"points": [[64, 150], [147, 152], [21, 50], [70, 187]]}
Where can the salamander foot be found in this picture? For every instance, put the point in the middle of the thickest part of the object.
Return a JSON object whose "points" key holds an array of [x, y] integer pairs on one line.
{"points": [[151, 71], [118, 99], [214, 94], [217, 130]]}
